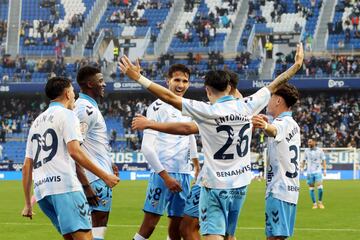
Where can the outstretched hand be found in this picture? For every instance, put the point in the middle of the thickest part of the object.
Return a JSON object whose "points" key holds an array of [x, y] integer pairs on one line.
{"points": [[299, 57], [129, 69]]}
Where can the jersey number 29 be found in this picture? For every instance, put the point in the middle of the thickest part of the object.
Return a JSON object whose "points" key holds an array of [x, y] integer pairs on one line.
{"points": [[41, 145]]}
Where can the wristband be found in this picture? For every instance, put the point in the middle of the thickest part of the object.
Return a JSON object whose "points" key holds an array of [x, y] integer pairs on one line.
{"points": [[144, 81], [266, 126]]}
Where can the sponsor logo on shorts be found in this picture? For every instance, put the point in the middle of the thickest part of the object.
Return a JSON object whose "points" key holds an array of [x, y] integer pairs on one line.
{"points": [[232, 194]]}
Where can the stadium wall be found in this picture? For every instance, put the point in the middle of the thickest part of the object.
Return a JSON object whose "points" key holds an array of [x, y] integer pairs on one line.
{"points": [[126, 86]]}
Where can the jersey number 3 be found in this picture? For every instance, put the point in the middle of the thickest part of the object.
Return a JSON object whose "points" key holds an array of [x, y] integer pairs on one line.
{"points": [[294, 161], [243, 140], [41, 141]]}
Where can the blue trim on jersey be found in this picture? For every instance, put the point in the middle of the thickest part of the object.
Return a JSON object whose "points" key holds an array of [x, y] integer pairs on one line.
{"points": [[285, 114], [54, 104], [225, 99], [90, 99]]}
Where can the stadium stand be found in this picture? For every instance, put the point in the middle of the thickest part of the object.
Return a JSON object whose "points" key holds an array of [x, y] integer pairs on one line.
{"points": [[48, 28], [133, 19], [281, 17], [343, 30], [203, 27]]}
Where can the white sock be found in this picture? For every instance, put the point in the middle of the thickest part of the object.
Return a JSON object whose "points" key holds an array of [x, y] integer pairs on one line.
{"points": [[98, 233], [138, 237], [168, 238]]}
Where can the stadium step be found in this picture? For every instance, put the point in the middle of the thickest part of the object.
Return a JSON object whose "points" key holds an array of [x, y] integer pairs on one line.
{"points": [[91, 21], [267, 69], [165, 37], [230, 43], [12, 46], [321, 34]]}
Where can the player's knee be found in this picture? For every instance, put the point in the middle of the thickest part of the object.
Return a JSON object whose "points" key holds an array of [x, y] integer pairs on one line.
{"points": [[68, 236], [99, 219], [184, 230]]}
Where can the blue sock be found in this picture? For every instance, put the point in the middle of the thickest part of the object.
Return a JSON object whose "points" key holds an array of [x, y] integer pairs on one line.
{"points": [[312, 195], [320, 193]]}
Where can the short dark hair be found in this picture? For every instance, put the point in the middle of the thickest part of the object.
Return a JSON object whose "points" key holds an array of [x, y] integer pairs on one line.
{"points": [[85, 73], [218, 79], [289, 93], [234, 78], [178, 68], [55, 87]]}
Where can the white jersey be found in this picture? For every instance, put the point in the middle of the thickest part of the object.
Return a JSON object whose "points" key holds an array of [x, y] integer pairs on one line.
{"points": [[54, 170], [173, 150], [283, 160], [314, 158], [93, 128], [226, 130]]}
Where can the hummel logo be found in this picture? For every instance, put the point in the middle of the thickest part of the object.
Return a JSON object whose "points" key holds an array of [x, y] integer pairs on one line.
{"points": [[98, 190], [88, 110], [157, 106], [275, 213]]}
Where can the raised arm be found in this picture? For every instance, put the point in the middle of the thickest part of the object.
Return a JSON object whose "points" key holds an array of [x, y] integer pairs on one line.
{"points": [[177, 128], [285, 76], [133, 72]]}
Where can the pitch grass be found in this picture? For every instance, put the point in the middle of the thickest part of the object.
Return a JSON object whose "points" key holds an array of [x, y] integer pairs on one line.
{"points": [[340, 219]]}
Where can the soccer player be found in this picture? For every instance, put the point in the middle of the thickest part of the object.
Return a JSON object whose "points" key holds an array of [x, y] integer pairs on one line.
{"points": [[168, 155], [282, 190], [53, 143], [226, 171], [314, 156], [96, 145], [189, 227]]}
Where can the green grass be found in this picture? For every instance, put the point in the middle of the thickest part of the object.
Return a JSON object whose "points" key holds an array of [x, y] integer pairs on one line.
{"points": [[340, 219]]}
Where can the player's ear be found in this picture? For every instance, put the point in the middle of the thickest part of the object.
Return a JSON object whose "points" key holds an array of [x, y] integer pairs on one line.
{"points": [[67, 93], [89, 84]]}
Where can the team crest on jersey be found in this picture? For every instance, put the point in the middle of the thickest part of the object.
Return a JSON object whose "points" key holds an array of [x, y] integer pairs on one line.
{"points": [[270, 174], [154, 203]]}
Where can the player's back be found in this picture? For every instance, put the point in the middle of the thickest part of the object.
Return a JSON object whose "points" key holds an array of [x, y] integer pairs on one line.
{"points": [[96, 141], [53, 168], [283, 157], [226, 130], [173, 150]]}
